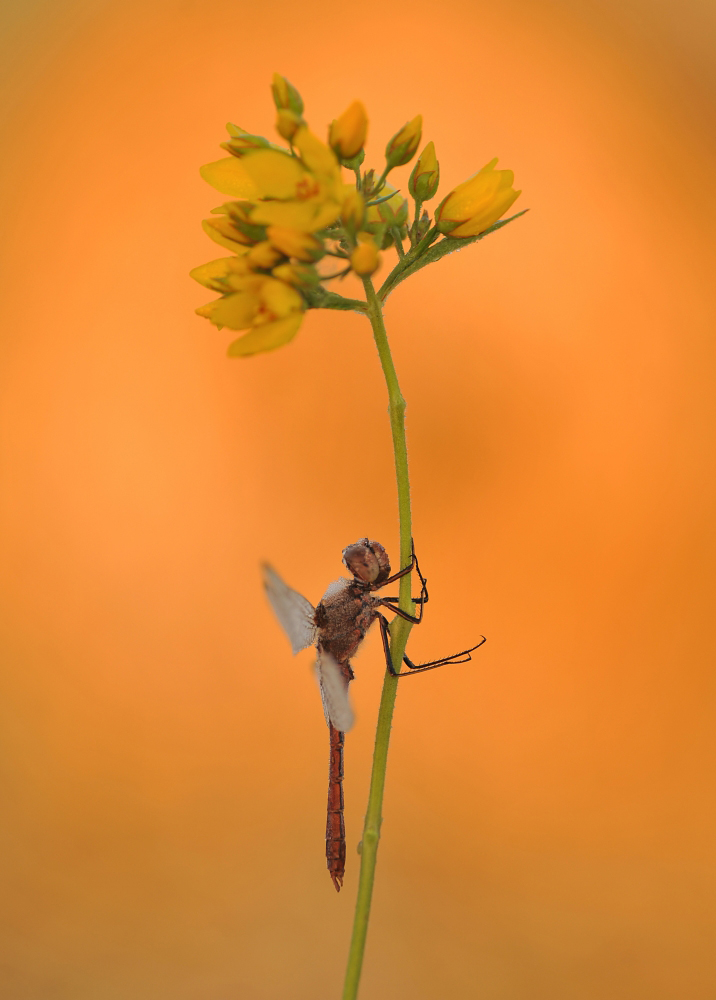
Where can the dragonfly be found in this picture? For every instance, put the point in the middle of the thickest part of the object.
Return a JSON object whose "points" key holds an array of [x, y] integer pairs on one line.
{"points": [[337, 626]]}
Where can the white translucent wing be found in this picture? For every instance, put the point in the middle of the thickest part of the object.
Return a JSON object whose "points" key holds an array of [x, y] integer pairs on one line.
{"points": [[334, 692], [293, 611]]}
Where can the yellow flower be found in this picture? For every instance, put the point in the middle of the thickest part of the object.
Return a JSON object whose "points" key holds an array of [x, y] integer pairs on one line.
{"points": [[346, 135], [365, 259], [286, 191], [269, 308], [403, 146], [294, 192], [477, 203], [424, 179]]}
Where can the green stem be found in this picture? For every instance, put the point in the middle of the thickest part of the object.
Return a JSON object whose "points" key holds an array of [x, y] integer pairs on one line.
{"points": [[398, 639], [414, 230], [424, 253], [320, 298]]}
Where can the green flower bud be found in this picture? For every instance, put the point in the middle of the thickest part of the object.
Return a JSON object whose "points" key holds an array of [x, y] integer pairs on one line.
{"points": [[285, 95], [242, 142], [404, 144], [394, 215], [424, 179]]}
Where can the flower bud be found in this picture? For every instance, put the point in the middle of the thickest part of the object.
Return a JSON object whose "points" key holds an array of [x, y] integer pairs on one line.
{"points": [[477, 203], [224, 233], [353, 211], [403, 146], [422, 226], [285, 95], [295, 243], [238, 212], [264, 255], [394, 212], [242, 142], [346, 135], [288, 123], [424, 179], [368, 182], [298, 275], [374, 214], [365, 259]]}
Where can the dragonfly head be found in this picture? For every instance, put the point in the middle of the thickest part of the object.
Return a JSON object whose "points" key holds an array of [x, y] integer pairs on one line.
{"points": [[368, 562]]}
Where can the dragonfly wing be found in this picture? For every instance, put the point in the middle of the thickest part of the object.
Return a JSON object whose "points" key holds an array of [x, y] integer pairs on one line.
{"points": [[334, 692], [293, 611]]}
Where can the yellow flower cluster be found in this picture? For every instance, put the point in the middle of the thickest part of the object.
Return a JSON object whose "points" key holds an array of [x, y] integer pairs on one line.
{"points": [[291, 208], [287, 217]]}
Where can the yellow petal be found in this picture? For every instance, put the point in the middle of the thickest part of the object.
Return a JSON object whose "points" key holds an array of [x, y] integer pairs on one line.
{"points": [[490, 214], [207, 274], [207, 311], [279, 298], [264, 255], [317, 156], [274, 174], [295, 243], [230, 177], [267, 337], [224, 241], [236, 311], [308, 216]]}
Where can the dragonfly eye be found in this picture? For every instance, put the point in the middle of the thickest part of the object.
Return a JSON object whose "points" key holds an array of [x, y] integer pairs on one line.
{"points": [[368, 561]]}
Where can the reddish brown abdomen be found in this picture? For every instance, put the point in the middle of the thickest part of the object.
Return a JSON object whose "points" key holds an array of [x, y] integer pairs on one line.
{"points": [[335, 826]]}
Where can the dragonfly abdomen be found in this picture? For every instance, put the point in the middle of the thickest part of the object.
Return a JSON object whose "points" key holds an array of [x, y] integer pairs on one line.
{"points": [[335, 824]]}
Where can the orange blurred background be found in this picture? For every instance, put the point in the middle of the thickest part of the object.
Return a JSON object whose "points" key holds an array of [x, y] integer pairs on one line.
{"points": [[549, 821]]}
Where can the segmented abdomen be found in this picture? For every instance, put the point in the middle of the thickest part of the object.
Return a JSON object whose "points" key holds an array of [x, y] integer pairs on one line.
{"points": [[335, 826]]}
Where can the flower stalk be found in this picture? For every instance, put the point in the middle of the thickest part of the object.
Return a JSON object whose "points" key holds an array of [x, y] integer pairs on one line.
{"points": [[399, 632]]}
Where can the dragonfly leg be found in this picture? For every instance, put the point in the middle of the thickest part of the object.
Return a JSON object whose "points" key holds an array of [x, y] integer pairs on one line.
{"points": [[394, 600], [403, 572], [417, 668], [385, 637], [462, 657], [404, 614], [422, 600]]}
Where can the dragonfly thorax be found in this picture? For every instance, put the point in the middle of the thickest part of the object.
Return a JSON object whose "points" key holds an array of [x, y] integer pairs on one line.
{"points": [[343, 616]]}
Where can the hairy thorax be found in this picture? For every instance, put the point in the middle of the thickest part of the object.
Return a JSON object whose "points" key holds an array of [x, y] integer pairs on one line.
{"points": [[343, 616]]}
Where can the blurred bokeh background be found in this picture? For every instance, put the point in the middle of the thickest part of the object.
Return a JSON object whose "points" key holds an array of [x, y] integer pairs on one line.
{"points": [[549, 821]]}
